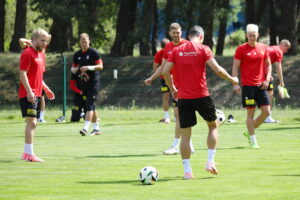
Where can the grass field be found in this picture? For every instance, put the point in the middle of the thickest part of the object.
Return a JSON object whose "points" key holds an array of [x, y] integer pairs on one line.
{"points": [[106, 167]]}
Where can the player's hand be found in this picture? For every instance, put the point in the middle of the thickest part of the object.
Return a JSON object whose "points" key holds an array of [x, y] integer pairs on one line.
{"points": [[264, 85], [84, 68], [271, 78], [74, 70], [237, 89], [148, 81], [235, 80], [31, 97], [174, 93], [281, 84], [50, 95]]}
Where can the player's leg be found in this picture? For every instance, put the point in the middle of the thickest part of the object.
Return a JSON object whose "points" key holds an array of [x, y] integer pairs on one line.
{"points": [[270, 91], [76, 108], [96, 125], [206, 108], [29, 111], [42, 109], [165, 101], [187, 119], [263, 102]]}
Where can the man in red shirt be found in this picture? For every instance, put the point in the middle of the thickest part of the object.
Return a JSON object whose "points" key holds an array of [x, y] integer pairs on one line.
{"points": [[175, 33], [158, 58], [32, 67], [188, 65], [252, 58], [276, 55]]}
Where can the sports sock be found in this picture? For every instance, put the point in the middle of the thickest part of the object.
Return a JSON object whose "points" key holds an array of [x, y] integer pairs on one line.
{"points": [[28, 148], [86, 125], [96, 126], [253, 139], [42, 112], [211, 155], [176, 142], [166, 115], [191, 144], [186, 165]]}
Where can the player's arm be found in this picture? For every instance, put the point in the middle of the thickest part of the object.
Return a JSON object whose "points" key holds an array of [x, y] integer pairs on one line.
{"points": [[24, 80], [74, 88], [167, 76], [279, 73], [265, 84], [221, 72], [97, 67], [50, 95], [23, 42], [156, 74], [155, 66], [235, 73]]}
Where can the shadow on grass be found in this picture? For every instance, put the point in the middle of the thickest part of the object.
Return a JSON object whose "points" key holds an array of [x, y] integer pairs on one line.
{"points": [[282, 128], [134, 182], [127, 123], [229, 148], [118, 156], [6, 161], [287, 175]]}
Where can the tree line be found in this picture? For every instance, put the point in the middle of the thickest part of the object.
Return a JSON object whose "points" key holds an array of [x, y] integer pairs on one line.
{"points": [[119, 26]]}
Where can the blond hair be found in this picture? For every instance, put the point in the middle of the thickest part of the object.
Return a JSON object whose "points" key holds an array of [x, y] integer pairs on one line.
{"points": [[84, 35], [39, 32], [285, 42], [174, 26], [252, 28]]}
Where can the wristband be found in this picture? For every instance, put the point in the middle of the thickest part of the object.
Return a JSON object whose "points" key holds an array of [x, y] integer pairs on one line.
{"points": [[91, 68]]}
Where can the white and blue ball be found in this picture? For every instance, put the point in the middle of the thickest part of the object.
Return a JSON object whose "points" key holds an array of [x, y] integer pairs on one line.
{"points": [[148, 175]]}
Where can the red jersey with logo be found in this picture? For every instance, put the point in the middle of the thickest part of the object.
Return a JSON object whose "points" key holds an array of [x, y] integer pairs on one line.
{"points": [[33, 62], [170, 46], [158, 57], [189, 69], [252, 63], [275, 53]]}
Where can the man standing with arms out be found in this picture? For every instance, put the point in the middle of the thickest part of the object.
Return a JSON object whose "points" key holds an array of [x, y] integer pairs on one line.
{"points": [[88, 62], [175, 33], [158, 58], [251, 58], [188, 63], [32, 67], [276, 55]]}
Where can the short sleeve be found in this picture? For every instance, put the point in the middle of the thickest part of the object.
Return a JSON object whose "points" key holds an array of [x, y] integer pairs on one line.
{"points": [[171, 57], [25, 61], [75, 62], [208, 54], [279, 57], [96, 57], [158, 57], [238, 54], [267, 54]]}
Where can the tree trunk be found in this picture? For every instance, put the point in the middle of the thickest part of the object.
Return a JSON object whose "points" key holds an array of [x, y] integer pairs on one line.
{"points": [[124, 41], [250, 11], [2, 24], [222, 28], [190, 15], [273, 23], [62, 35], [154, 29], [289, 21], [261, 7], [20, 25], [145, 27], [206, 20], [169, 16]]}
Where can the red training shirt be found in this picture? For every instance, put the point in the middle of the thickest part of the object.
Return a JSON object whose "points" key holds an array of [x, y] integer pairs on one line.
{"points": [[33, 62], [275, 53], [189, 69], [170, 46], [252, 63], [158, 58]]}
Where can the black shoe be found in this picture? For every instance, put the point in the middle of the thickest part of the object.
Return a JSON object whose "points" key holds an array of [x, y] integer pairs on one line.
{"points": [[83, 132]]}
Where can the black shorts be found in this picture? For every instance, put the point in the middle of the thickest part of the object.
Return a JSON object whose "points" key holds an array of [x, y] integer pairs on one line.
{"points": [[164, 88], [79, 102], [188, 107], [271, 86], [91, 95], [254, 96], [29, 109]]}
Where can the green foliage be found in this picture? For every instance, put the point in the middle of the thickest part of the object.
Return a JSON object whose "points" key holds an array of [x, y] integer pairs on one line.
{"points": [[237, 38]]}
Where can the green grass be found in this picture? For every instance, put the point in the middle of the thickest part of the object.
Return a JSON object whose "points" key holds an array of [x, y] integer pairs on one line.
{"points": [[107, 166]]}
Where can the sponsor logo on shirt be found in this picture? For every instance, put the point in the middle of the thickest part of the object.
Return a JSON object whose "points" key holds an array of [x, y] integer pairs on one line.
{"points": [[188, 53]]}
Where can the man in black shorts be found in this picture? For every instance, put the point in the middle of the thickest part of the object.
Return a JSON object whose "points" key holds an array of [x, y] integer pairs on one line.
{"points": [[187, 63], [88, 62]]}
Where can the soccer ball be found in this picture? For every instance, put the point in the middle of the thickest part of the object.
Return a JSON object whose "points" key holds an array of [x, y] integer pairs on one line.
{"points": [[220, 117], [148, 175]]}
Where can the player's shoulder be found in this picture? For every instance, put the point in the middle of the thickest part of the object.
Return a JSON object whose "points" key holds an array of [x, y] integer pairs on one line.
{"points": [[28, 52]]}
